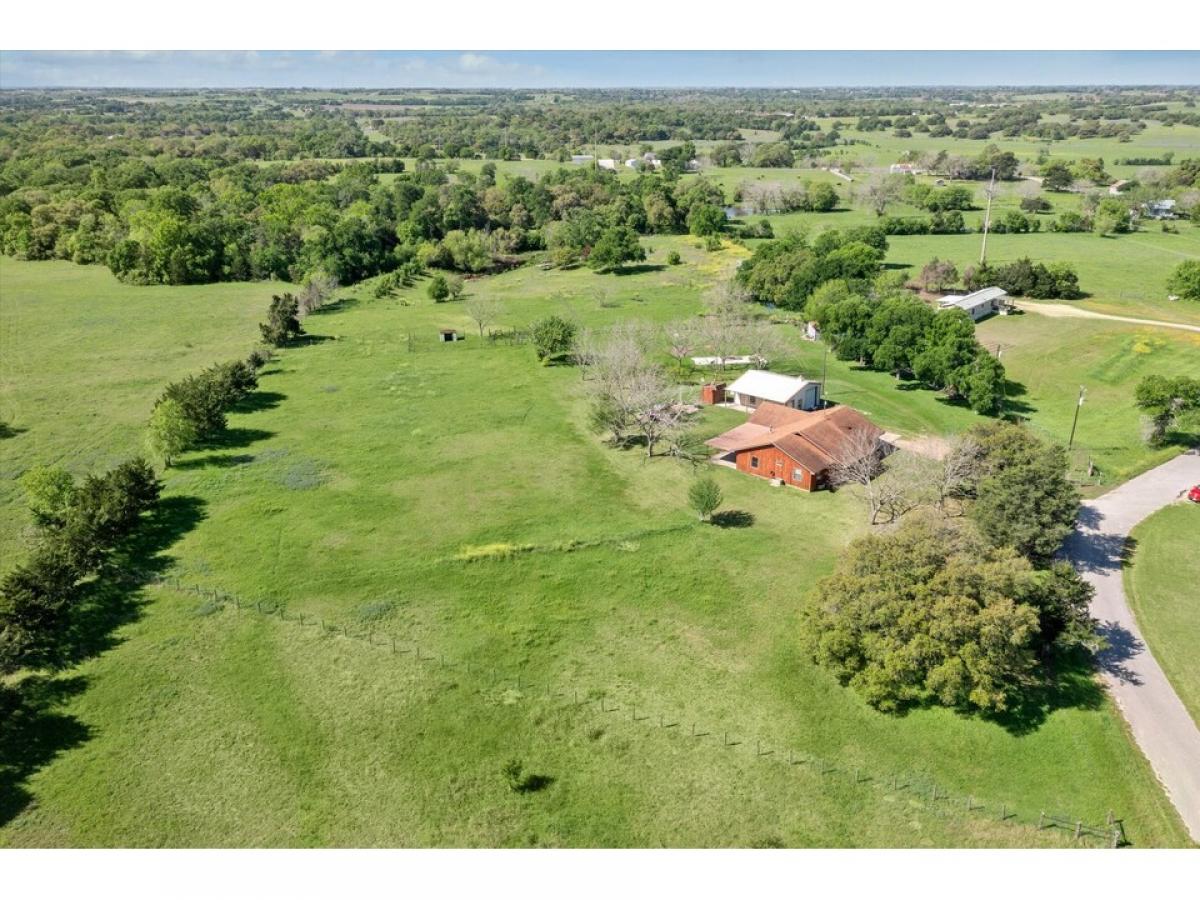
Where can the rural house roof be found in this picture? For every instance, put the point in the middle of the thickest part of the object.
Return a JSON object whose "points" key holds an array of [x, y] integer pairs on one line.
{"points": [[815, 440], [768, 385], [980, 297]]}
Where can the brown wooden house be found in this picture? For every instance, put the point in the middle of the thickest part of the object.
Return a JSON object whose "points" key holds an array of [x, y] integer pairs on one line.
{"points": [[796, 447]]}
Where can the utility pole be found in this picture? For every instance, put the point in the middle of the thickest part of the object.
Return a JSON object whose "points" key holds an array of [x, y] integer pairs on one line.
{"points": [[987, 218], [1082, 394]]}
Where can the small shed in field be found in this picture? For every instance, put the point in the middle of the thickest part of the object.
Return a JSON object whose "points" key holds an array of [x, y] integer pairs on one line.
{"points": [[448, 335]]}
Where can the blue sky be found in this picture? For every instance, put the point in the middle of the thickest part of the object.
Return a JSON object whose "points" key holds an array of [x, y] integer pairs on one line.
{"points": [[671, 68]]}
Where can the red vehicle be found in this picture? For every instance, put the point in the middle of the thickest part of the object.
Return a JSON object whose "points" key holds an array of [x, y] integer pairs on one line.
{"points": [[1194, 494]]}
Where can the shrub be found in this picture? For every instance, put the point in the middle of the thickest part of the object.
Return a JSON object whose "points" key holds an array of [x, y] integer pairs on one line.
{"points": [[1185, 280], [704, 496], [553, 337], [673, 258], [439, 289], [169, 432], [49, 491], [283, 322]]}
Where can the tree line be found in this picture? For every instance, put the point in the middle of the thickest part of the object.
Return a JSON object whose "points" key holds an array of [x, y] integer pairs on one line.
{"points": [[80, 528]]}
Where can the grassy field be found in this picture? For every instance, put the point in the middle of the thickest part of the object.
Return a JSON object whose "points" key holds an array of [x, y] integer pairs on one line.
{"points": [[1161, 586], [85, 357], [451, 495], [1124, 275], [1049, 360]]}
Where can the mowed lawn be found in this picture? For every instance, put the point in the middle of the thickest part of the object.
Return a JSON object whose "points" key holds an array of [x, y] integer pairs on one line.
{"points": [[1049, 359], [357, 485], [1161, 587]]}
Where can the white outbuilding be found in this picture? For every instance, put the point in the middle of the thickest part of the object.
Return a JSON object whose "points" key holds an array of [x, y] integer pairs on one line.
{"points": [[979, 304], [756, 385]]}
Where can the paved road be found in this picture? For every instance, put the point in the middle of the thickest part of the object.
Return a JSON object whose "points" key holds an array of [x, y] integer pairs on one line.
{"points": [[1062, 311], [1156, 716]]}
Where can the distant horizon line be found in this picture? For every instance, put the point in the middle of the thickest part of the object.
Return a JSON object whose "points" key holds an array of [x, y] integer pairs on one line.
{"points": [[615, 87]]}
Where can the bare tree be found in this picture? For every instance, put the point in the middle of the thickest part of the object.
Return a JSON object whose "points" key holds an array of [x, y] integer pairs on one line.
{"points": [[655, 411], [681, 340], [882, 191], [720, 329], [937, 275], [483, 310], [957, 474], [316, 291], [618, 364], [908, 481], [858, 463], [761, 340]]}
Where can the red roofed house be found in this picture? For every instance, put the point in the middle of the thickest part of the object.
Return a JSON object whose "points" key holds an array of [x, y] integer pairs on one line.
{"points": [[796, 446]]}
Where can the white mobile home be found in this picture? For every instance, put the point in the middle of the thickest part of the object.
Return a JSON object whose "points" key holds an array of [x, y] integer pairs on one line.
{"points": [[979, 304]]}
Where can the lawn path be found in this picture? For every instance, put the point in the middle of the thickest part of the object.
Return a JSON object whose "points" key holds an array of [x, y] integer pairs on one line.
{"points": [[1159, 721], [1062, 311]]}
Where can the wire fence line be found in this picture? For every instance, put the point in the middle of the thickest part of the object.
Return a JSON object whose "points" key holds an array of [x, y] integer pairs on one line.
{"points": [[919, 786]]}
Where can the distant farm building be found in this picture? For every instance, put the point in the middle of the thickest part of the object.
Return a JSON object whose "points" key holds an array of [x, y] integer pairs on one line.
{"points": [[448, 336], [581, 158], [645, 161], [610, 164], [791, 446], [756, 387], [979, 304], [1159, 209], [905, 169]]}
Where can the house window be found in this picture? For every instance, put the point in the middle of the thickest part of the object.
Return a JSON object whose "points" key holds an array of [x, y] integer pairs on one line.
{"points": [[797, 474], [754, 462]]}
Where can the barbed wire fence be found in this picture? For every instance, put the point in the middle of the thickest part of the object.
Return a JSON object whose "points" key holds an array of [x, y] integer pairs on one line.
{"points": [[919, 786]]}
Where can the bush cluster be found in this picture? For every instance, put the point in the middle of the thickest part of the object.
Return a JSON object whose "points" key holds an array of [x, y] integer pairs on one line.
{"points": [[192, 410], [79, 527], [1024, 278]]}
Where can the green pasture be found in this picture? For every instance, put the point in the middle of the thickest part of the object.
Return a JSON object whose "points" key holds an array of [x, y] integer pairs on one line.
{"points": [[452, 496]]}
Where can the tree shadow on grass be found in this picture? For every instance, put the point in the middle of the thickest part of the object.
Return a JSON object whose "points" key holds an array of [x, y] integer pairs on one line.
{"points": [[339, 305], [235, 438], [1182, 438], [9, 431], [33, 733], [33, 728], [218, 460], [307, 339], [733, 518], [1070, 684], [259, 400], [531, 784], [640, 269]]}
